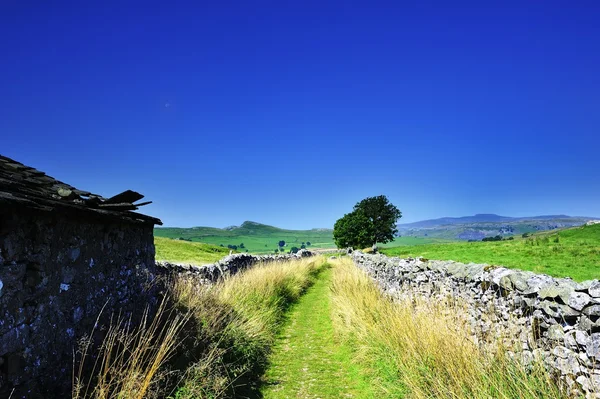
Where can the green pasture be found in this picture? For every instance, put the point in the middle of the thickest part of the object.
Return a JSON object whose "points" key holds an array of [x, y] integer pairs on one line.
{"points": [[573, 252]]}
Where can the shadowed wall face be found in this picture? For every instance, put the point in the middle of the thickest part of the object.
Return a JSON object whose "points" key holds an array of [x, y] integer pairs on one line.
{"points": [[57, 273]]}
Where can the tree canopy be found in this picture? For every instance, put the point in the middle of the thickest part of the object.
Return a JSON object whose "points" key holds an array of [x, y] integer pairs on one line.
{"points": [[372, 220]]}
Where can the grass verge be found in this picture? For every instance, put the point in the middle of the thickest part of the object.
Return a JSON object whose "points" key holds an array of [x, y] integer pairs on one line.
{"points": [[420, 348]]}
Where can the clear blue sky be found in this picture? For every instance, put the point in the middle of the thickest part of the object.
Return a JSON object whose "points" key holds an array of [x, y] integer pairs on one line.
{"points": [[288, 113]]}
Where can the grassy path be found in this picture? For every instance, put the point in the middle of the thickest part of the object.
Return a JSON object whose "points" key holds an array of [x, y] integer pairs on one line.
{"points": [[308, 361]]}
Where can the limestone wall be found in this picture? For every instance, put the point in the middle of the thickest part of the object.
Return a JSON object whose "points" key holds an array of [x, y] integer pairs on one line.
{"points": [[227, 266], [557, 320]]}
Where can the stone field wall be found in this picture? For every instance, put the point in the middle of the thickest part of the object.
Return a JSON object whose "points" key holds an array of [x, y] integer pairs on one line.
{"points": [[227, 266], [556, 319]]}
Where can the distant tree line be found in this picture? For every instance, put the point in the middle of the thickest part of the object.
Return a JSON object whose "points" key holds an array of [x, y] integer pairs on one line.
{"points": [[497, 238], [281, 244], [234, 247]]}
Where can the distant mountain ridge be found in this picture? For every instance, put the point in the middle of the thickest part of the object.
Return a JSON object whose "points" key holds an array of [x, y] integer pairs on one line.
{"points": [[485, 218], [478, 226], [250, 225]]}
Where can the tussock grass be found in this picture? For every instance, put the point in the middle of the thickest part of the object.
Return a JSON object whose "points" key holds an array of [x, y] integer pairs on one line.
{"points": [[420, 348], [203, 342]]}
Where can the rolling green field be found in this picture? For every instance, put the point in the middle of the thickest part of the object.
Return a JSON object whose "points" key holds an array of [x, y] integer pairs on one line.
{"points": [[571, 252], [187, 252], [256, 237]]}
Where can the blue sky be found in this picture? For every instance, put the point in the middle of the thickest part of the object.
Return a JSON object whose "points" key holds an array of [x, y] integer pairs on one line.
{"points": [[288, 113]]}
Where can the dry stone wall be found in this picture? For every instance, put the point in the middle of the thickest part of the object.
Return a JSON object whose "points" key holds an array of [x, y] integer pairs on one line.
{"points": [[227, 266], [554, 319]]}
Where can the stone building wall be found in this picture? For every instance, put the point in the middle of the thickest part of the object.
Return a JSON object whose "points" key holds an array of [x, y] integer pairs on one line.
{"points": [[57, 272], [556, 319]]}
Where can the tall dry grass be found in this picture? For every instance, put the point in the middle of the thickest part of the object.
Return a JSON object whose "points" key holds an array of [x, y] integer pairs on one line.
{"points": [[130, 362], [240, 318], [421, 348]]}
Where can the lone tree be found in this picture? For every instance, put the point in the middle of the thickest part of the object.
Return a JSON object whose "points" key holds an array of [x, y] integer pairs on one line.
{"points": [[372, 220], [281, 243]]}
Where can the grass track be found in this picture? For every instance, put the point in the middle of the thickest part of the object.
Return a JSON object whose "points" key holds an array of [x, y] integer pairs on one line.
{"points": [[307, 360]]}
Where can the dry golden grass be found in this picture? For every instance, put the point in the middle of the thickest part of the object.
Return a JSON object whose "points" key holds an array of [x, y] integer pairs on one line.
{"points": [[421, 348], [240, 316], [129, 363]]}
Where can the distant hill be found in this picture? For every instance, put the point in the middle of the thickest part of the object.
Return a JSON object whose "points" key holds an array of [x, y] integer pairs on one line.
{"points": [[255, 237], [486, 218], [479, 226]]}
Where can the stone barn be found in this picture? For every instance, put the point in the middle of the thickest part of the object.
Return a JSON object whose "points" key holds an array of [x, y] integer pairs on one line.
{"points": [[65, 255]]}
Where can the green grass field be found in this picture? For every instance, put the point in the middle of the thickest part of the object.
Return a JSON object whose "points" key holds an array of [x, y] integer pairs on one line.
{"points": [[571, 252], [187, 252], [256, 237]]}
